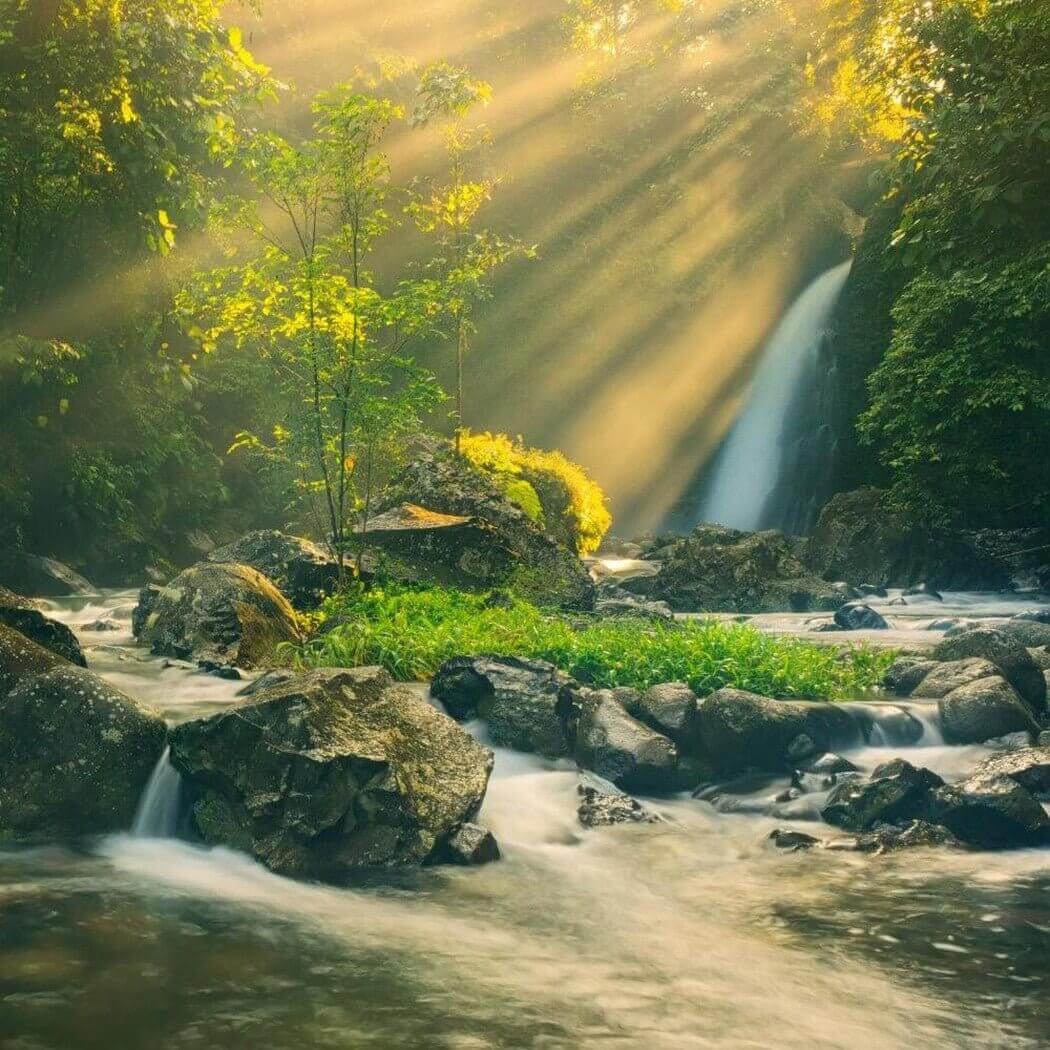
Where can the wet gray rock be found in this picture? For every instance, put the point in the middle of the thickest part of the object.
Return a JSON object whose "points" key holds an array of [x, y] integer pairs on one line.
{"points": [[669, 708], [792, 841], [905, 673], [828, 764], [517, 699], [220, 612], [944, 677], [301, 570], [41, 577], [75, 756], [1012, 659], [924, 590], [468, 845], [991, 813], [737, 730], [606, 740], [982, 710], [1033, 615], [944, 624], [856, 617], [1029, 767], [885, 838], [330, 772], [872, 590], [603, 804], [22, 615], [897, 790]]}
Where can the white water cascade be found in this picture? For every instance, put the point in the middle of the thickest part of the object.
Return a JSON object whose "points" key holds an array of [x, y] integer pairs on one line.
{"points": [[158, 813], [783, 389]]}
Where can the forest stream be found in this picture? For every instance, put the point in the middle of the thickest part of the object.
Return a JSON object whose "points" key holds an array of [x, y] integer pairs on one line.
{"points": [[690, 932]]}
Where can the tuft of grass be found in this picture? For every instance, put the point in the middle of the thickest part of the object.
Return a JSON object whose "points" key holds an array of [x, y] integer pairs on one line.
{"points": [[413, 632]]}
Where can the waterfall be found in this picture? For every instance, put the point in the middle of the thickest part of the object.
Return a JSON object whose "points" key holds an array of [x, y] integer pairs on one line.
{"points": [[158, 813], [777, 450]]}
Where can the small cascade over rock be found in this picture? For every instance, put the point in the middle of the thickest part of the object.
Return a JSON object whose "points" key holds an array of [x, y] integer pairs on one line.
{"points": [[158, 813], [783, 433]]}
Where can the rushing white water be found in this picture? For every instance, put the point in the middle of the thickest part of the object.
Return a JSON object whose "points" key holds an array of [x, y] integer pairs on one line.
{"points": [[749, 466], [158, 812]]}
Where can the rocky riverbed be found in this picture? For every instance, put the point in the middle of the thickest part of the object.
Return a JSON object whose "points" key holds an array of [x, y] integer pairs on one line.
{"points": [[692, 929]]}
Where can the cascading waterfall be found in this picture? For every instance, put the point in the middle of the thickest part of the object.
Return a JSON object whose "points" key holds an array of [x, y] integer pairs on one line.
{"points": [[158, 813], [782, 427]]}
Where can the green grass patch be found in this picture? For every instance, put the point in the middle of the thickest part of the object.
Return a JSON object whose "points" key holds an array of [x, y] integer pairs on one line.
{"points": [[412, 632]]}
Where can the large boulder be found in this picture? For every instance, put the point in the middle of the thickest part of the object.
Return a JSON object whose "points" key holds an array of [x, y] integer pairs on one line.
{"points": [[737, 730], [669, 708], [494, 545], [861, 535], [41, 577], [23, 615], [991, 812], [607, 741], [1012, 659], [303, 572], [718, 569], [75, 756], [333, 771], [905, 674], [1028, 766], [22, 658], [982, 710], [517, 699], [896, 791], [221, 613], [944, 677]]}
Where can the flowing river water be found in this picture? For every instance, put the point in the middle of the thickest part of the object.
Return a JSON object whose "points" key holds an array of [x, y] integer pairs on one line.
{"points": [[693, 932]]}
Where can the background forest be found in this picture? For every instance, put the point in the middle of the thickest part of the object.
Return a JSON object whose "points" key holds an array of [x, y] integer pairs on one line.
{"points": [[579, 219]]}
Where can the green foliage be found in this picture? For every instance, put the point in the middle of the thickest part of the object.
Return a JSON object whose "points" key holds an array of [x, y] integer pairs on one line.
{"points": [[412, 632], [306, 300], [114, 117], [570, 504], [960, 405]]}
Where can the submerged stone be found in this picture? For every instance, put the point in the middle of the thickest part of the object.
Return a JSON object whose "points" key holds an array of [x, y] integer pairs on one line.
{"points": [[603, 804]]}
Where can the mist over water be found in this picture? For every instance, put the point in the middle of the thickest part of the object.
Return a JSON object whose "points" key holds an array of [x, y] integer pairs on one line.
{"points": [[777, 414]]}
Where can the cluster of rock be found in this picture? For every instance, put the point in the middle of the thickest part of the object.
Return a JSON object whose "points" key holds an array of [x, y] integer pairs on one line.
{"points": [[987, 684], [659, 741], [316, 775]]}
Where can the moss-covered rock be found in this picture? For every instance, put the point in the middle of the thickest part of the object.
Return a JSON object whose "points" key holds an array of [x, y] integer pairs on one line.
{"points": [[75, 756], [498, 544], [330, 772], [303, 572], [222, 612]]}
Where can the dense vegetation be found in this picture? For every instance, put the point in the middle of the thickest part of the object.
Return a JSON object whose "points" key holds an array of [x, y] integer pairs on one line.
{"points": [[411, 633], [958, 93], [159, 304]]}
